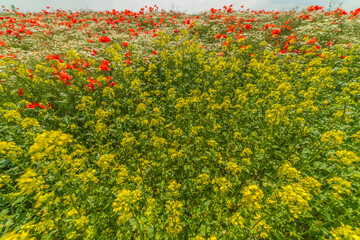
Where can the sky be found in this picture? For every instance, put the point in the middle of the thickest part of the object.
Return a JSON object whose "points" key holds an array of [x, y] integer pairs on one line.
{"points": [[187, 6]]}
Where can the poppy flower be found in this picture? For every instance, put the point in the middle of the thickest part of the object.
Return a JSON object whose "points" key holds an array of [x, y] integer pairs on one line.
{"points": [[34, 105], [311, 41], [125, 44], [51, 106], [103, 39], [128, 62], [105, 65], [112, 84], [63, 76], [275, 32], [20, 92], [54, 57], [31, 105]]}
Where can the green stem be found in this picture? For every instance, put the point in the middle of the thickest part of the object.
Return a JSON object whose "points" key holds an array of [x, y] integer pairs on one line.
{"points": [[138, 224], [66, 188], [20, 206]]}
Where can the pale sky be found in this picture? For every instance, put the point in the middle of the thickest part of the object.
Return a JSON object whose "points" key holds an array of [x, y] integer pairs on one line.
{"points": [[188, 6]]}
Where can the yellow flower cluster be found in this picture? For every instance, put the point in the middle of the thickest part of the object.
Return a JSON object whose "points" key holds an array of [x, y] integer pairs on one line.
{"points": [[124, 204], [173, 209], [345, 232], [17, 236], [46, 142], [30, 182]]}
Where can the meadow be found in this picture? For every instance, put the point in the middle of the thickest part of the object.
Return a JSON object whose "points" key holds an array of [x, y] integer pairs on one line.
{"points": [[228, 124]]}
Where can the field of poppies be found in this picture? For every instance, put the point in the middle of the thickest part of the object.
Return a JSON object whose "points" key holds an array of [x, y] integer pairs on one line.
{"points": [[228, 124]]}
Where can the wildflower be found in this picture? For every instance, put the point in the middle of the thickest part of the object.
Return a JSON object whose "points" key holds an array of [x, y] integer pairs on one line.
{"points": [[29, 122], [335, 137], [104, 65], [311, 41], [12, 115], [345, 157], [34, 105], [252, 197], [221, 184], [247, 26], [345, 232], [286, 171], [5, 179], [237, 220], [173, 210], [30, 182], [125, 44], [17, 236], [294, 197], [340, 186], [275, 32], [46, 142], [124, 202], [21, 92], [103, 39]]}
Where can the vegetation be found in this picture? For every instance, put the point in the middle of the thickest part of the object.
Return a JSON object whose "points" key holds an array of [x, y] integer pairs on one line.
{"points": [[161, 125]]}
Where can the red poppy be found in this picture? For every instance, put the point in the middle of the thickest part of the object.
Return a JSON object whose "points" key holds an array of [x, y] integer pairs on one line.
{"points": [[276, 32], [103, 39], [311, 41], [63, 76], [40, 105], [105, 65], [34, 105], [51, 106], [112, 84], [31, 105], [54, 57], [20, 92], [128, 62], [125, 44]]}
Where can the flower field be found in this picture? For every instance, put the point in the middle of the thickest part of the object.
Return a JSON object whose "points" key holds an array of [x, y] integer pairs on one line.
{"points": [[228, 124]]}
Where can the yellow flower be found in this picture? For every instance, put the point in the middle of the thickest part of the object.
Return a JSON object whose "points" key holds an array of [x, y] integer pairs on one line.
{"points": [[29, 122], [345, 232], [173, 210], [12, 115], [124, 202], [29, 182], [345, 157], [287, 171], [17, 236], [237, 220], [335, 137]]}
